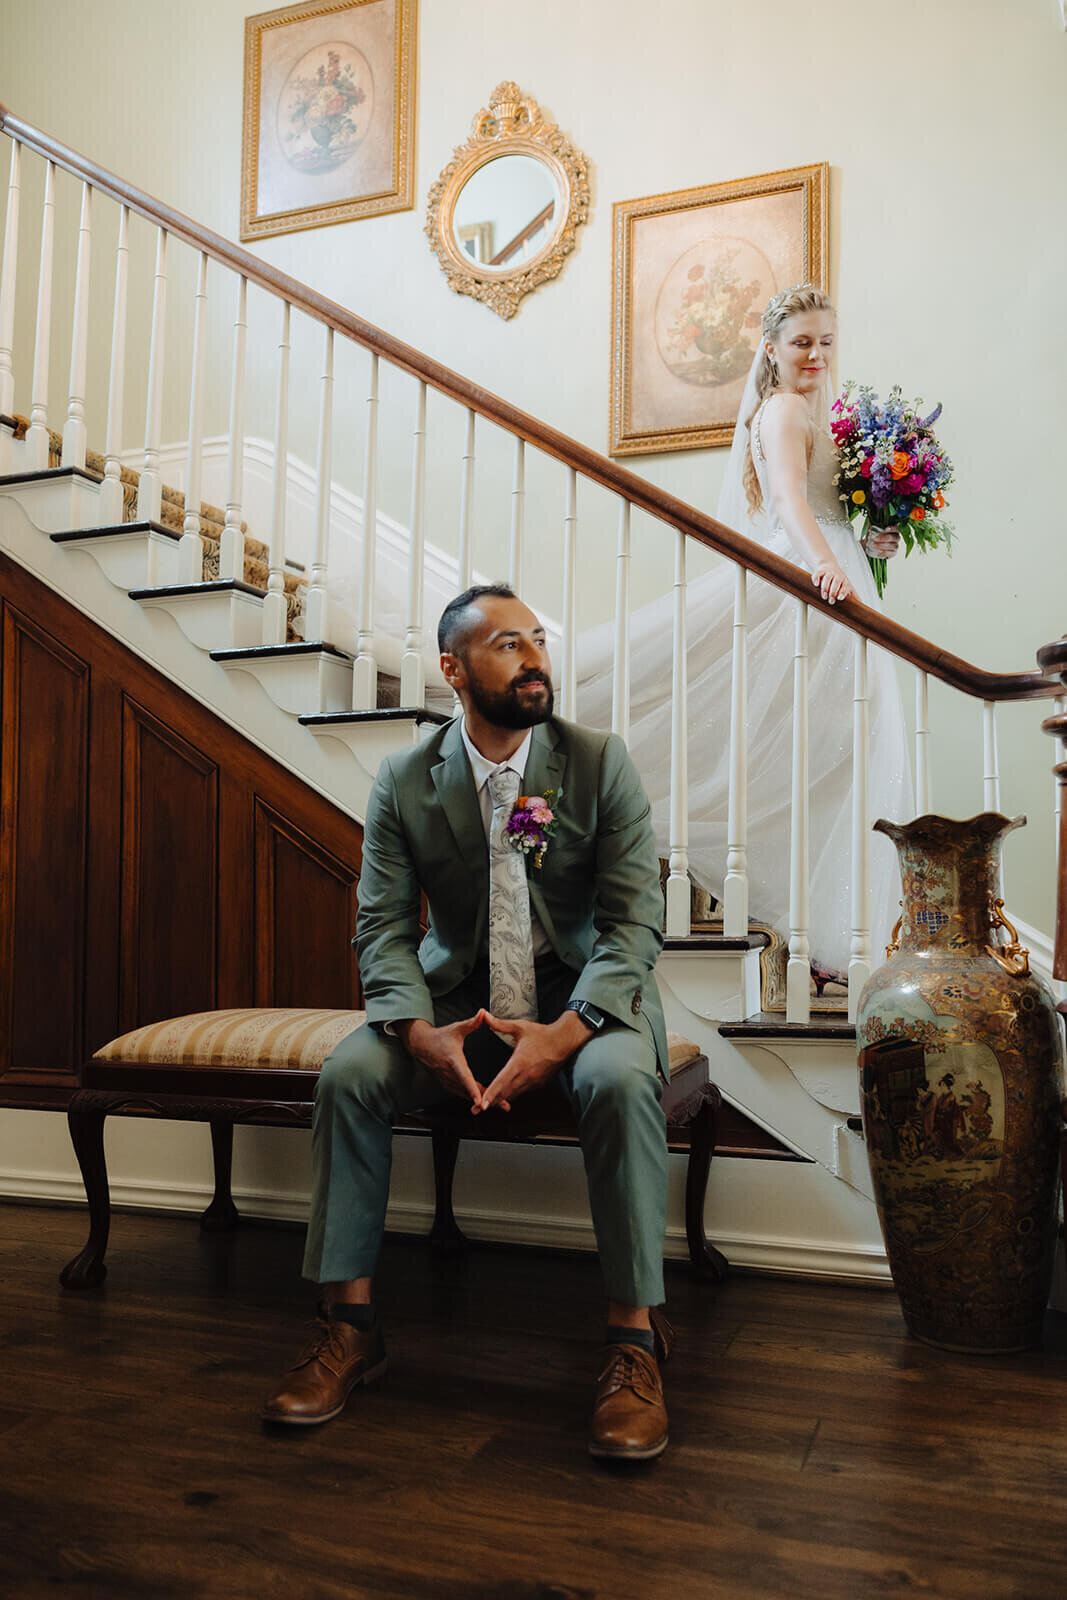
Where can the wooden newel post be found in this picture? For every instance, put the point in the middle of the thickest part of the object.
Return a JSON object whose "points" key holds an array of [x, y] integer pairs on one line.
{"points": [[1053, 661]]}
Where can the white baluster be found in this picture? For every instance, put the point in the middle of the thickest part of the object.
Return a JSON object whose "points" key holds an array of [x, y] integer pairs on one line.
{"points": [[274, 610], [412, 665], [466, 507], [8, 268], [518, 517], [620, 685], [365, 672], [735, 884], [318, 590], [150, 488], [798, 972], [859, 961], [111, 509], [990, 758], [568, 667], [75, 433], [232, 543], [37, 435], [678, 902], [191, 549], [922, 744]]}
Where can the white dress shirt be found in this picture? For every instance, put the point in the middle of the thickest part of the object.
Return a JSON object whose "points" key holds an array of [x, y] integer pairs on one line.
{"points": [[482, 770]]}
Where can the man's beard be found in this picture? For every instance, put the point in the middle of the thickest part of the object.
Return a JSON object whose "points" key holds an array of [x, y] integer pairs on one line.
{"points": [[505, 709]]}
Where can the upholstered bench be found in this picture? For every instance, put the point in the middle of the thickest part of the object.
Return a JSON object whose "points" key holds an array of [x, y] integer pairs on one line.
{"points": [[260, 1067]]}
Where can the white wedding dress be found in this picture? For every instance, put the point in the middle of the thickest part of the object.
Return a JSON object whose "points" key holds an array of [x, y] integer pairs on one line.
{"points": [[771, 629]]}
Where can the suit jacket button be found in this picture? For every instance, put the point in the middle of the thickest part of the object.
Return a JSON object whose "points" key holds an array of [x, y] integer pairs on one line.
{"points": [[635, 1004]]}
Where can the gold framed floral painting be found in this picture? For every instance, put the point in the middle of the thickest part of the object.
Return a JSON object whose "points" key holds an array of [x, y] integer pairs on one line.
{"points": [[329, 114], [691, 273]]}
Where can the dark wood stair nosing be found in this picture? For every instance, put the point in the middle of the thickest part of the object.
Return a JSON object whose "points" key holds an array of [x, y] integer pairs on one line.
{"points": [[49, 474], [705, 940], [210, 586], [261, 652], [319, 719], [772, 1025], [110, 532]]}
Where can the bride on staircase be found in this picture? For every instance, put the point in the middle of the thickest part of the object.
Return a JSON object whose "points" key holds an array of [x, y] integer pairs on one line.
{"points": [[779, 491]]}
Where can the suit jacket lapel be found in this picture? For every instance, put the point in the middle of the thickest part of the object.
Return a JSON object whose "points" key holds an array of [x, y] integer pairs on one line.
{"points": [[458, 797], [545, 768]]}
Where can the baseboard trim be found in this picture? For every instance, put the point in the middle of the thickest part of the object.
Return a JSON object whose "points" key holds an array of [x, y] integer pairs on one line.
{"points": [[782, 1257]]}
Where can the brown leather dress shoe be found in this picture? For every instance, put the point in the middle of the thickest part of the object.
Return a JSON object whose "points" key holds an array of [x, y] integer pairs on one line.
{"points": [[338, 1358], [629, 1417]]}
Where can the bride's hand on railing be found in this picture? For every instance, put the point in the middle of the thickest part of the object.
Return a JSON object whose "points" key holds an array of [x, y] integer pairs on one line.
{"points": [[831, 582], [882, 543]]}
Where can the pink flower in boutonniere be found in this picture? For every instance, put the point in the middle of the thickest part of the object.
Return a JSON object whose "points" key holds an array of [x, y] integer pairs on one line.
{"points": [[532, 824]]}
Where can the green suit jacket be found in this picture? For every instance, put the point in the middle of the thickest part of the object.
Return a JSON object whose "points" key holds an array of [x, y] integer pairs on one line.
{"points": [[597, 893]]}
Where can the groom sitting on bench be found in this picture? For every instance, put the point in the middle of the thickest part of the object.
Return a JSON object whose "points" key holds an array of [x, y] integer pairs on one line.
{"points": [[536, 968]]}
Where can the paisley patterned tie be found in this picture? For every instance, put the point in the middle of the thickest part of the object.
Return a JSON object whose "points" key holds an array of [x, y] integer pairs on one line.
{"points": [[512, 986]]}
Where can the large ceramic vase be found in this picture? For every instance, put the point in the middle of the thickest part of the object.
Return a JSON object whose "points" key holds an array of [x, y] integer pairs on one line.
{"points": [[961, 1061]]}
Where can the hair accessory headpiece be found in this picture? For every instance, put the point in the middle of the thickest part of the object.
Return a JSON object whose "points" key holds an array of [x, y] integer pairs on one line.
{"points": [[775, 304]]}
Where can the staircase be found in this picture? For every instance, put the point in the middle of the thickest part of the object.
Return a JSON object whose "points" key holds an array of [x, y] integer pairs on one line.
{"points": [[223, 613]]}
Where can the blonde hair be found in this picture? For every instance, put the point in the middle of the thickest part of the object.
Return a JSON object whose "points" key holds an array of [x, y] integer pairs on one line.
{"points": [[788, 303]]}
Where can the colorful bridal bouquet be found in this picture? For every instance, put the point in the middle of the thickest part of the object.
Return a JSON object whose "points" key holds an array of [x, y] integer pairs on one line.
{"points": [[892, 473], [532, 824]]}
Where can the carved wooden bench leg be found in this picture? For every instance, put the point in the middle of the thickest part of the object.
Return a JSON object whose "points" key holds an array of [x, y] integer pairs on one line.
{"points": [[221, 1215], [707, 1261], [446, 1235], [86, 1120]]}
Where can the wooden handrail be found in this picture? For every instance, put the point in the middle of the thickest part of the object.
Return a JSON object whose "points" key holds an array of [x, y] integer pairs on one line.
{"points": [[667, 508], [523, 234]]}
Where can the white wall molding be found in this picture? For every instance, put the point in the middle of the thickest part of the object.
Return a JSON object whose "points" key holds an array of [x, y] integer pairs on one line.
{"points": [[1041, 948], [818, 1258]]}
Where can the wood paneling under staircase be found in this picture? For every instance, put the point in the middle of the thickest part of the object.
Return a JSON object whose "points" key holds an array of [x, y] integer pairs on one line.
{"points": [[155, 862], [152, 860]]}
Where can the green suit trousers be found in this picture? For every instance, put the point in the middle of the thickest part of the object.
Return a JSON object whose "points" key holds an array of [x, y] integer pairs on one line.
{"points": [[613, 1088]]}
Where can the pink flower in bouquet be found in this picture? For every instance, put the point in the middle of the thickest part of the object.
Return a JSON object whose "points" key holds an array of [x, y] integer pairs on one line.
{"points": [[912, 483]]}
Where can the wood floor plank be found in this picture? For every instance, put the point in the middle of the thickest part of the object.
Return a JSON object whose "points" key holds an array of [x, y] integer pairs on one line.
{"points": [[817, 1452]]}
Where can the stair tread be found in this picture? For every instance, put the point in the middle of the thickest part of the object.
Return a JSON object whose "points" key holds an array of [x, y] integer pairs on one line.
{"points": [[709, 939], [50, 473], [209, 586], [772, 1025], [321, 719], [301, 647], [113, 529]]}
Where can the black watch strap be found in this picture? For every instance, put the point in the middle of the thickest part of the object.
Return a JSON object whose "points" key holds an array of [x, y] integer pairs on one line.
{"points": [[590, 1014]]}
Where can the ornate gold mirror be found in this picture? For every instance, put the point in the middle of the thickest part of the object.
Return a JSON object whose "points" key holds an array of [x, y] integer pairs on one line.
{"points": [[503, 213]]}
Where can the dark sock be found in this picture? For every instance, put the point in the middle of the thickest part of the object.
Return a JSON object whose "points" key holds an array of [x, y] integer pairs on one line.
{"points": [[642, 1336], [357, 1316]]}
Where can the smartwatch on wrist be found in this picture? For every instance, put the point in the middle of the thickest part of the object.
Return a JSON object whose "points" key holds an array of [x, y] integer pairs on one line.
{"points": [[591, 1015]]}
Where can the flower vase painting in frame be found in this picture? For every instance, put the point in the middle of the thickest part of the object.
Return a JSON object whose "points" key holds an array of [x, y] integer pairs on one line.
{"points": [[691, 273], [328, 114]]}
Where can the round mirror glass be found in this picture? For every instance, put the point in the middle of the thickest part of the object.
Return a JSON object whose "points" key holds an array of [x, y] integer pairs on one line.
{"points": [[505, 213]]}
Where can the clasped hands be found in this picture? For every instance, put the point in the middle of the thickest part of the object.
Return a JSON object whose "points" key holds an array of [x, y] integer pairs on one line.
{"points": [[540, 1049]]}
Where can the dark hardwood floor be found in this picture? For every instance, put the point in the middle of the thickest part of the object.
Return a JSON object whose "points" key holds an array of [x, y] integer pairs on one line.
{"points": [[816, 1450]]}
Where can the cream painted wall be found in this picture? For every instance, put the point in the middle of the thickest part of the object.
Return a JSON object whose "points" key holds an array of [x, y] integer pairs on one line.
{"points": [[944, 127]]}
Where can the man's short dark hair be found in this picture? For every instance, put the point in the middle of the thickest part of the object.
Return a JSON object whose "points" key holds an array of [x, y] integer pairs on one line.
{"points": [[456, 621]]}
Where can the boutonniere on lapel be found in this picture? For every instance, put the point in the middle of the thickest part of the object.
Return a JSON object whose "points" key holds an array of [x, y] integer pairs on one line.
{"points": [[531, 825]]}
